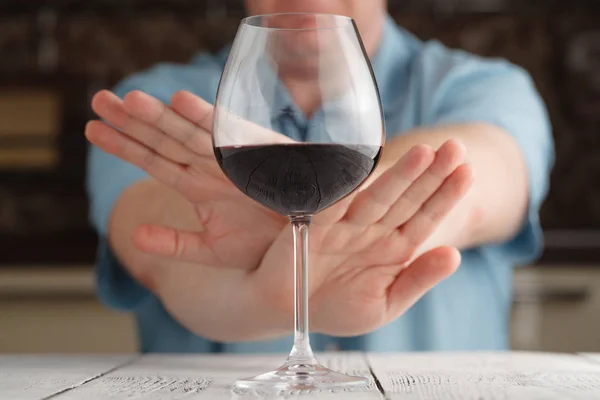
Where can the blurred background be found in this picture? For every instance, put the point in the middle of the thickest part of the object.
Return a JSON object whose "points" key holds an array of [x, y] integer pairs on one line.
{"points": [[55, 54]]}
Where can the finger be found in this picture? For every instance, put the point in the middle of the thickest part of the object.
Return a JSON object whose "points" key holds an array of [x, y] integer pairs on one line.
{"points": [[419, 277], [373, 203], [232, 129], [429, 216], [188, 133], [111, 108], [447, 158], [165, 171], [177, 244], [194, 109]]}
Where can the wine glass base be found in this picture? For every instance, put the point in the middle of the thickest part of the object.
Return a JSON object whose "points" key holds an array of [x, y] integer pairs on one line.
{"points": [[301, 377]]}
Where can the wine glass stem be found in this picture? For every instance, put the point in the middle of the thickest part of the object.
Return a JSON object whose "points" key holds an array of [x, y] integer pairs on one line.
{"points": [[301, 353]]}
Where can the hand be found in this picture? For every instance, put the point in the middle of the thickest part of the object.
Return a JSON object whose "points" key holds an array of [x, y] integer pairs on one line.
{"points": [[360, 247], [363, 270], [174, 146]]}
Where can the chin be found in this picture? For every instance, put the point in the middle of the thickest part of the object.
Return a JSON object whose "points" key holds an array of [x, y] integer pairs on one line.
{"points": [[339, 7]]}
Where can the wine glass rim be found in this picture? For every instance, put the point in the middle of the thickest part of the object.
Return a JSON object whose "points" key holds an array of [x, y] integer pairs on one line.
{"points": [[246, 21]]}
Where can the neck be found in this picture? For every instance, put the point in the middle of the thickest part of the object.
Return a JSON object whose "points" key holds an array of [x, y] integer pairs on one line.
{"points": [[306, 92]]}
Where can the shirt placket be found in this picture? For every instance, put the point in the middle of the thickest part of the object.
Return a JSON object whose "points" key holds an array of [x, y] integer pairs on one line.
{"points": [[291, 125]]}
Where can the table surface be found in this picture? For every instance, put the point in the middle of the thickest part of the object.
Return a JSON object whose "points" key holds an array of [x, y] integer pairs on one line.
{"points": [[436, 376]]}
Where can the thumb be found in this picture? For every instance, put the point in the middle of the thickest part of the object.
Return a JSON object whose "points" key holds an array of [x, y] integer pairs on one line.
{"points": [[181, 245], [419, 277]]}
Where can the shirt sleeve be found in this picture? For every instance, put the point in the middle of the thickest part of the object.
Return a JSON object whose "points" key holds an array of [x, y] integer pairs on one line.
{"points": [[108, 176], [466, 88]]}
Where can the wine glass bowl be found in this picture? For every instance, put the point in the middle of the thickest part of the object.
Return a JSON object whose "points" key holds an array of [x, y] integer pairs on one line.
{"points": [[297, 179], [298, 126]]}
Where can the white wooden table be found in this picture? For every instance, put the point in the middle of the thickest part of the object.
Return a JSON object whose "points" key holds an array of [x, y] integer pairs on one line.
{"points": [[456, 376]]}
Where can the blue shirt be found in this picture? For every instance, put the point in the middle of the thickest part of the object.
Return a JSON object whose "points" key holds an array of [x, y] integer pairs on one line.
{"points": [[421, 84]]}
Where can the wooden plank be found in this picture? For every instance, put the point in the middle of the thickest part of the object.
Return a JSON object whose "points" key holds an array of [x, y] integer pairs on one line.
{"points": [[592, 357], [37, 377], [170, 377], [483, 376]]}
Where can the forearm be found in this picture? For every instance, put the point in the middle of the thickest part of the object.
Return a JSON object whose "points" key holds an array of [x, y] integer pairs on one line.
{"points": [[494, 208], [212, 302]]}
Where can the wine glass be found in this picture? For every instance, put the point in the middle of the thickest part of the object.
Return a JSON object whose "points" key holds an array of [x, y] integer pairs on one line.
{"points": [[298, 125]]}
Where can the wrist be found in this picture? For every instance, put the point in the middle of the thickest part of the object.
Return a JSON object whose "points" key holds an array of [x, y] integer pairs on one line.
{"points": [[218, 307]]}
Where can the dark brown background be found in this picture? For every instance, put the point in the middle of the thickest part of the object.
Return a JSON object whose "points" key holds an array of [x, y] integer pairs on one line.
{"points": [[78, 47]]}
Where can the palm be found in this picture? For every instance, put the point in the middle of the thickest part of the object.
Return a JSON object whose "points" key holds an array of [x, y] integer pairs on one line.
{"points": [[231, 234], [352, 274], [223, 232], [359, 283]]}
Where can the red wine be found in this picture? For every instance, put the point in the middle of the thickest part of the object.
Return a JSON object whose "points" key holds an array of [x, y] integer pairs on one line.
{"points": [[298, 179]]}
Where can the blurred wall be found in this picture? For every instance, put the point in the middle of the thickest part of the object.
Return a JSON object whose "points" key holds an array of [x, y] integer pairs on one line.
{"points": [[76, 47]]}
